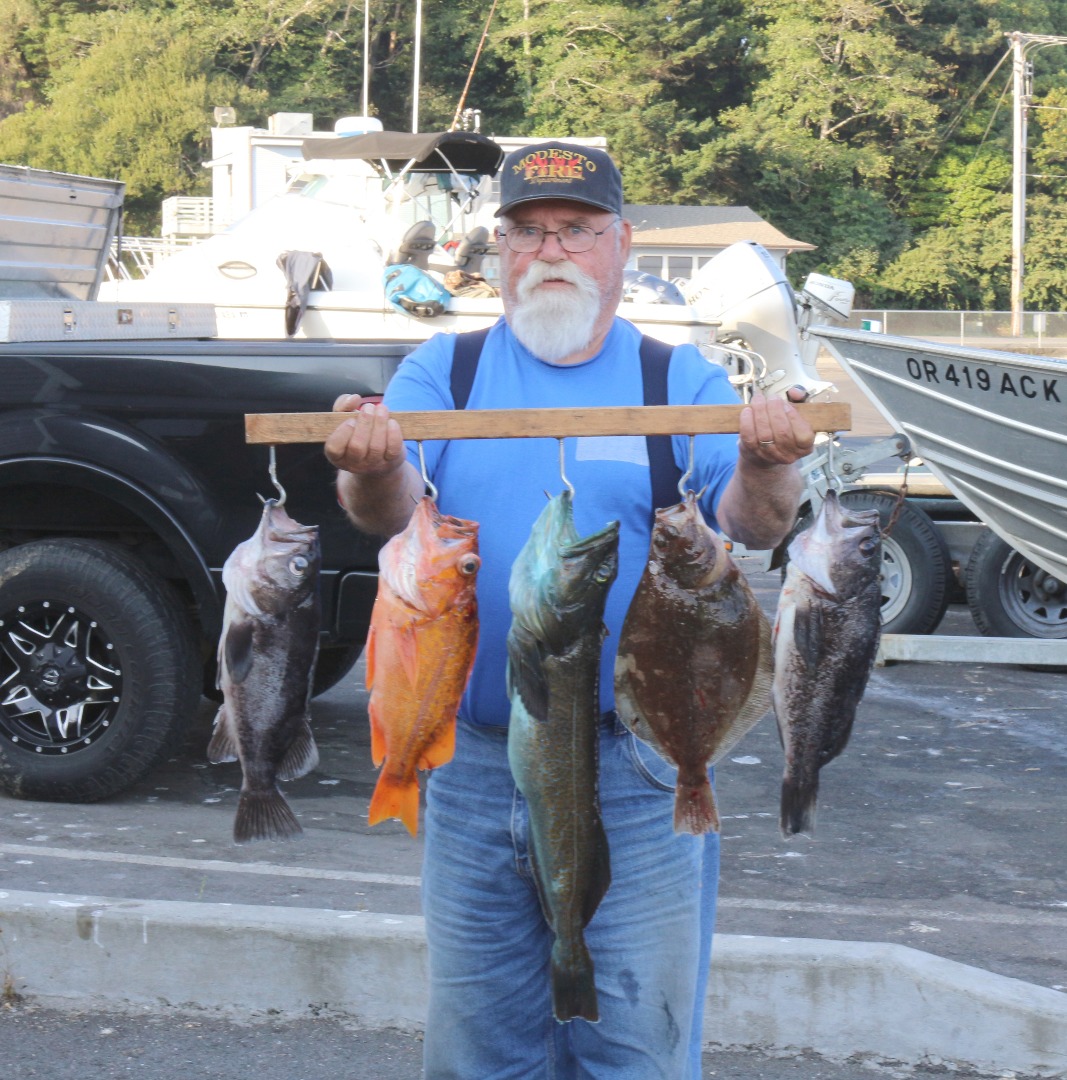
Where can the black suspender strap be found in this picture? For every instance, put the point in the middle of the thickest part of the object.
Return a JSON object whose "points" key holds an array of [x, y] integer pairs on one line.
{"points": [[663, 470], [467, 348], [655, 362]]}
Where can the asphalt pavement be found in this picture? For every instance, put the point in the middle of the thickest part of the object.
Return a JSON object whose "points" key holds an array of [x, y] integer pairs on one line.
{"points": [[940, 828], [45, 1044]]}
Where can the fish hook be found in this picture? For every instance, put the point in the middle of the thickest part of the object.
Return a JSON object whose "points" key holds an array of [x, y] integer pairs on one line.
{"points": [[832, 479], [431, 489], [273, 470], [563, 471], [684, 480]]}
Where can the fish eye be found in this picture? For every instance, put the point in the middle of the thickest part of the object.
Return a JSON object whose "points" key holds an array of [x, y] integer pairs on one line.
{"points": [[869, 544], [470, 565], [298, 565]]}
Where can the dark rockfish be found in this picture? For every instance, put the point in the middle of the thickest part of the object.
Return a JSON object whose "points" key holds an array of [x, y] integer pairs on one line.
{"points": [[559, 586], [825, 639], [693, 669], [267, 651]]}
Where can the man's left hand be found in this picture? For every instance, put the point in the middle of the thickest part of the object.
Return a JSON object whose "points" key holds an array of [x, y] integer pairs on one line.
{"points": [[773, 432]]}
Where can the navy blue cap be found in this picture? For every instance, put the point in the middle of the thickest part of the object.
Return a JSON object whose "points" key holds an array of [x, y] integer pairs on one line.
{"points": [[560, 170]]}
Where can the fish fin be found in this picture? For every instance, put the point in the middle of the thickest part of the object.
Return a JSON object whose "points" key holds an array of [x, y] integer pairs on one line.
{"points": [[759, 694], [223, 746], [264, 815], [808, 634], [378, 742], [599, 875], [407, 645], [694, 806], [301, 757], [798, 805], [395, 797], [237, 650], [441, 749], [368, 654], [526, 672], [573, 987]]}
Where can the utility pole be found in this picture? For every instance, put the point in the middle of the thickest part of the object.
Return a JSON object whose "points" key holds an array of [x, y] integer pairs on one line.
{"points": [[1023, 87]]}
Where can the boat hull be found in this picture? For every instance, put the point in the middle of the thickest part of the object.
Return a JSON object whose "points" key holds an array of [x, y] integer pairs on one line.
{"points": [[992, 426]]}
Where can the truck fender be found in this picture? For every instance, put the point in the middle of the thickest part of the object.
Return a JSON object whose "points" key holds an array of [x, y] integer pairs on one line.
{"points": [[58, 471]]}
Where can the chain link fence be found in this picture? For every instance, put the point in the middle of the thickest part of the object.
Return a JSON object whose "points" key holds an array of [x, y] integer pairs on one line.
{"points": [[989, 329]]}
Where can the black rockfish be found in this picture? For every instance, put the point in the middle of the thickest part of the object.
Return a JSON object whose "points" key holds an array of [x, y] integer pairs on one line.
{"points": [[266, 658], [693, 668], [558, 588], [825, 639]]}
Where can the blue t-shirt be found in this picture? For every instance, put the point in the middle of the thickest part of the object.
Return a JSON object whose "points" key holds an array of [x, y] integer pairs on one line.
{"points": [[502, 483]]}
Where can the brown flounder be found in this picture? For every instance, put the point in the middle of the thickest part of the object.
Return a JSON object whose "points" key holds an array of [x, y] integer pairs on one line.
{"points": [[693, 668]]}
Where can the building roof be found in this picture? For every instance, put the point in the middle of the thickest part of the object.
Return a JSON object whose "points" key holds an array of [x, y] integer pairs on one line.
{"points": [[704, 227]]}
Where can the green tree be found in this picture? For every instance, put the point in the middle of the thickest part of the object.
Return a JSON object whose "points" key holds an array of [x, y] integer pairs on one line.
{"points": [[129, 97]]}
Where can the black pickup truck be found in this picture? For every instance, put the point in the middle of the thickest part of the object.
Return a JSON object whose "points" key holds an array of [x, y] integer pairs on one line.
{"points": [[125, 482]]}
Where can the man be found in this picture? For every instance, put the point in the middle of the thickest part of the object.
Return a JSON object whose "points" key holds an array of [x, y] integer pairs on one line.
{"points": [[563, 247]]}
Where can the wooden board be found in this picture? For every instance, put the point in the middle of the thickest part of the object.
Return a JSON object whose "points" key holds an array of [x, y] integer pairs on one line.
{"points": [[279, 428]]}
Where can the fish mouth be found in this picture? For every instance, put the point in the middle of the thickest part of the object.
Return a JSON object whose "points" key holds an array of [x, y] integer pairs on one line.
{"points": [[852, 517], [592, 542]]}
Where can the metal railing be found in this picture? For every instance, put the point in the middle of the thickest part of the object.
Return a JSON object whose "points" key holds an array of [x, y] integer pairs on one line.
{"points": [[139, 255]]}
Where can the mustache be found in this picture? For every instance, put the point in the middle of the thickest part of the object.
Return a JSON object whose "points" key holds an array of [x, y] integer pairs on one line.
{"points": [[540, 271]]}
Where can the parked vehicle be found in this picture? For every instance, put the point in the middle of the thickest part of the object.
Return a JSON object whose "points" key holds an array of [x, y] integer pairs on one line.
{"points": [[125, 482]]}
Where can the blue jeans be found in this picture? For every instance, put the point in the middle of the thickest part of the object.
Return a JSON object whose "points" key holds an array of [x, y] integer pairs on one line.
{"points": [[490, 1014]]}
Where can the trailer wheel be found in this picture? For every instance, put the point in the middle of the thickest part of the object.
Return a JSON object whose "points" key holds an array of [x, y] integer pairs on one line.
{"points": [[1011, 597], [916, 571], [98, 670]]}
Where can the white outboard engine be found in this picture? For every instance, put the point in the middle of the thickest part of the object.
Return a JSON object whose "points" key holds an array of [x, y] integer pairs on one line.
{"points": [[643, 288], [747, 293]]}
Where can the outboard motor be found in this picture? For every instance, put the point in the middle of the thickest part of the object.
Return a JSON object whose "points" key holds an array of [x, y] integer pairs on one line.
{"points": [[747, 293], [641, 288]]}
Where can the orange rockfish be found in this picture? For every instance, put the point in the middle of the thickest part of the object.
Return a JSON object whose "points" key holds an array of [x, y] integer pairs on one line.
{"points": [[423, 633]]}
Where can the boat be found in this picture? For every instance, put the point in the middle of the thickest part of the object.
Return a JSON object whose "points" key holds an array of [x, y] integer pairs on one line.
{"points": [[359, 206], [991, 425]]}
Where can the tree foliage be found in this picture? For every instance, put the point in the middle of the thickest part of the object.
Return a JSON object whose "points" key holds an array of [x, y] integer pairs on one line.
{"points": [[878, 130]]}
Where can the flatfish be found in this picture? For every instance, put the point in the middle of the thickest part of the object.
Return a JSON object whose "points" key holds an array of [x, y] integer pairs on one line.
{"points": [[693, 667]]}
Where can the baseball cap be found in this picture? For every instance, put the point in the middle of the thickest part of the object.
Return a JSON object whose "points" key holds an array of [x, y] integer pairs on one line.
{"points": [[560, 170]]}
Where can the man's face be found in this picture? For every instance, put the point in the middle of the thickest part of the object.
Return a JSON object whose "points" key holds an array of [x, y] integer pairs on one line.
{"points": [[558, 301]]}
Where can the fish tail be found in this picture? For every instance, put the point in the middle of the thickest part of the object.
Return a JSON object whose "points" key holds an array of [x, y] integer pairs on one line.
{"points": [[573, 988], [264, 815], [694, 806], [395, 797], [798, 805]]}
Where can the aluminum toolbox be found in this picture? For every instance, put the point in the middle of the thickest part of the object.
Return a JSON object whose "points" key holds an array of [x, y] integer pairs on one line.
{"points": [[97, 320]]}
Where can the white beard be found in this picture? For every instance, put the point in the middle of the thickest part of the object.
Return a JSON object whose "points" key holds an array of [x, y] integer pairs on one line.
{"points": [[554, 324]]}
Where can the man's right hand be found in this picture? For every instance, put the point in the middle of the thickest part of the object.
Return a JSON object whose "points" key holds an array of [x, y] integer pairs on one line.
{"points": [[368, 442]]}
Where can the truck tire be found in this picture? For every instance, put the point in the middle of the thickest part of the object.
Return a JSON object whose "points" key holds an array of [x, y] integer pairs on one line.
{"points": [[333, 664], [98, 670], [916, 573], [1011, 597]]}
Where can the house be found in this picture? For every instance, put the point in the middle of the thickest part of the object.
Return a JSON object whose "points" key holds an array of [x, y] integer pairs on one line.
{"points": [[676, 241]]}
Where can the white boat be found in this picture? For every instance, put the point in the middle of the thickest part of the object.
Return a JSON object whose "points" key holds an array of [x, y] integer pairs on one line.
{"points": [[362, 203]]}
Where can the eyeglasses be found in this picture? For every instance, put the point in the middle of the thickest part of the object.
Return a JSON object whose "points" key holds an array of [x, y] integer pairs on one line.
{"points": [[572, 238]]}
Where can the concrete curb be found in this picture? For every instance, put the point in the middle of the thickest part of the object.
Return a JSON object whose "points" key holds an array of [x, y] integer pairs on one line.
{"points": [[836, 998]]}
